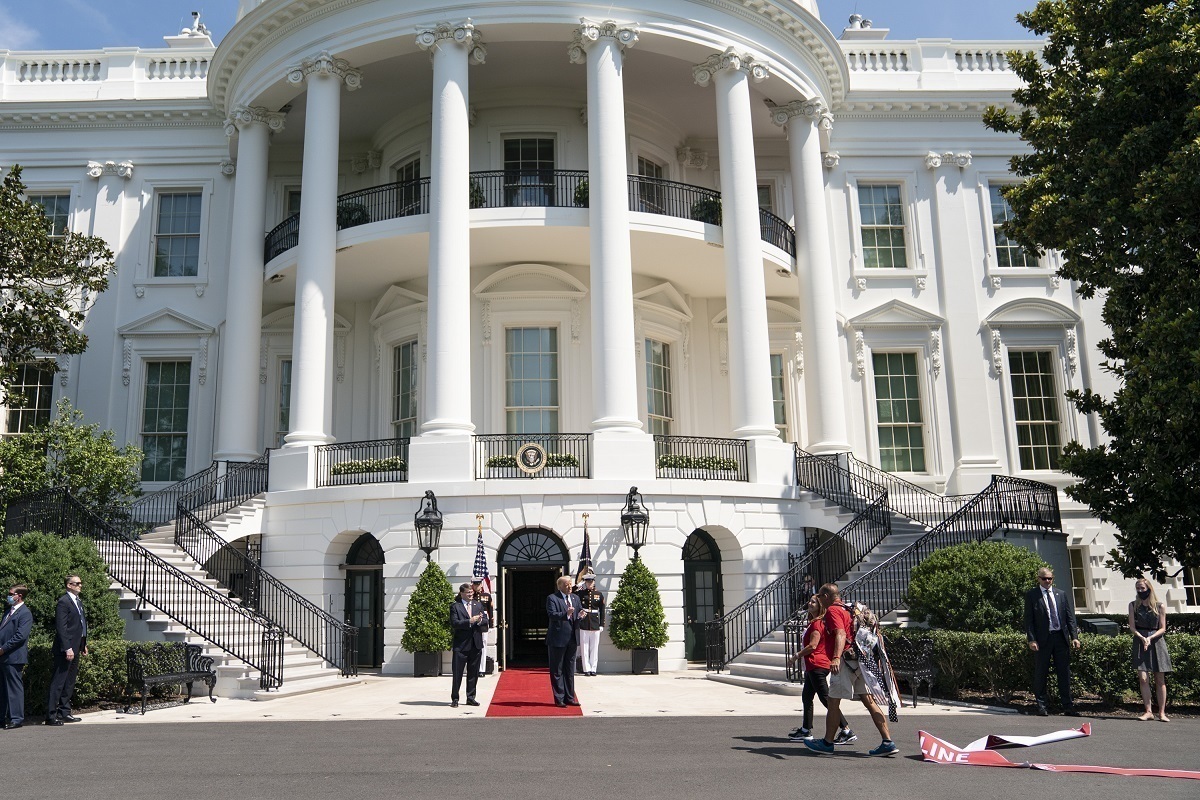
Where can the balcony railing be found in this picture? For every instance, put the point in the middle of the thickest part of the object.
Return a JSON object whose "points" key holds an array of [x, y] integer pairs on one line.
{"points": [[701, 458], [529, 188], [533, 455], [376, 461]]}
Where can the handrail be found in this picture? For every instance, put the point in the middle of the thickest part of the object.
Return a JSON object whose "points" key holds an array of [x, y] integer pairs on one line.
{"points": [[907, 498], [202, 609], [334, 641], [158, 508]]}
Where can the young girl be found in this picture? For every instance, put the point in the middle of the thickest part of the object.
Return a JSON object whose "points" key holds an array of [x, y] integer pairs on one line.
{"points": [[816, 675], [1148, 624]]}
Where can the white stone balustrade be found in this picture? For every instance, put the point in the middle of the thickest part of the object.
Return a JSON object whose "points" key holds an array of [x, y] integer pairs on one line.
{"points": [[114, 73]]}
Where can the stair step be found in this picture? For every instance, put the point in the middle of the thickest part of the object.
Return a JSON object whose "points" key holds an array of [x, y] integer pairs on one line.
{"points": [[293, 688], [769, 685]]}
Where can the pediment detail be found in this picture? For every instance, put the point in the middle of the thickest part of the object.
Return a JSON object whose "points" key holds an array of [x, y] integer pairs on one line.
{"points": [[1032, 313], [779, 315], [664, 298], [165, 322], [527, 281], [396, 300], [896, 314], [283, 322]]}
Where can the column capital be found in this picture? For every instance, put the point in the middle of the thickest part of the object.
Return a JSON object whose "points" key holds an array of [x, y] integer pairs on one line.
{"points": [[122, 169], [589, 32], [732, 61], [463, 34], [813, 110], [325, 64], [241, 116]]}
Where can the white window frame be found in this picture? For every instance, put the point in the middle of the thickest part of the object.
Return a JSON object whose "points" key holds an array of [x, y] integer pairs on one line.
{"points": [[193, 388], [1048, 263], [562, 336], [916, 273], [150, 196], [4, 409], [922, 388], [1085, 585], [419, 366], [671, 325], [72, 191], [399, 317], [1185, 585], [276, 399], [281, 185], [670, 389], [68, 227]]}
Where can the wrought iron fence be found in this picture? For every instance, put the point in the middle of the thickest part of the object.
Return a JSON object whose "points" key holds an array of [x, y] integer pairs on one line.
{"points": [[529, 188], [295, 615], [374, 461], [701, 458], [281, 238], [158, 508], [674, 199], [793, 636], [202, 609], [390, 201], [777, 232], [908, 499], [507, 455]]}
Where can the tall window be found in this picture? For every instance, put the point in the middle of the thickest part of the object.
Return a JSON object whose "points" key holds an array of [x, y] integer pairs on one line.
{"points": [[407, 175], [766, 197], [293, 203], [165, 420], [881, 211], [29, 399], [404, 390], [1191, 585], [531, 380], [283, 413], [652, 195], [57, 208], [1035, 408], [898, 408], [177, 235], [1078, 577], [1008, 252], [529, 172], [778, 402], [659, 411]]}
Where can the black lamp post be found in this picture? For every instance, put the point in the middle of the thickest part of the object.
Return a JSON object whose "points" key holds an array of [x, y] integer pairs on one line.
{"points": [[428, 521], [635, 521]]}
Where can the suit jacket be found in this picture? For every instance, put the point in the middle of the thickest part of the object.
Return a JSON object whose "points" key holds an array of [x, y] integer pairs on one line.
{"points": [[1037, 615], [590, 602], [468, 636], [562, 632], [14, 634], [68, 626]]}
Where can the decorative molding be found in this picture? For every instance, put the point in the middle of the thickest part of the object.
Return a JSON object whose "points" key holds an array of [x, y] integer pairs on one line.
{"points": [[241, 116], [202, 373], [139, 292], [471, 116], [199, 287], [583, 116], [730, 60], [830, 159], [64, 370], [463, 34], [325, 64], [576, 321], [687, 345], [339, 348], [997, 353], [423, 332], [487, 323], [122, 169], [935, 351], [638, 333], [368, 160], [813, 110], [126, 360], [378, 354], [588, 33], [723, 350], [860, 353], [263, 348], [191, 118], [228, 167], [692, 158], [934, 160], [921, 282], [798, 358], [861, 283], [1072, 352], [1055, 280]]}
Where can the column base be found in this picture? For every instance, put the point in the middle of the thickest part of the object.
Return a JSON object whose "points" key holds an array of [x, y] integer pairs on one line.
{"points": [[828, 447], [623, 456], [441, 458], [236, 455], [292, 468], [770, 462], [306, 439]]}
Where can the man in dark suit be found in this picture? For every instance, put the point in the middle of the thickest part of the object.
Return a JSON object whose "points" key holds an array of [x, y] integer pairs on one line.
{"points": [[70, 644], [1052, 633], [15, 625], [562, 640], [469, 624]]}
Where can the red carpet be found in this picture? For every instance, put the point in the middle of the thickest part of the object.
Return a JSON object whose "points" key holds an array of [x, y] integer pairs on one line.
{"points": [[526, 693]]}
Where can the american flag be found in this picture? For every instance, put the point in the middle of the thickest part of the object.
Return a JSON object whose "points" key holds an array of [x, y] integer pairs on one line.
{"points": [[481, 568]]}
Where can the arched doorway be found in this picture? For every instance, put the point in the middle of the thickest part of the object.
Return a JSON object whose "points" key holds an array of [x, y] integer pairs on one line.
{"points": [[530, 560], [364, 598], [701, 590]]}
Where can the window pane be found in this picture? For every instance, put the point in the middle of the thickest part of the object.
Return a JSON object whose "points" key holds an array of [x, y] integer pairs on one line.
{"points": [[901, 428], [882, 222], [658, 387], [404, 390], [56, 208], [30, 399], [1035, 408], [531, 380], [778, 401], [165, 420], [1008, 252], [177, 235]]}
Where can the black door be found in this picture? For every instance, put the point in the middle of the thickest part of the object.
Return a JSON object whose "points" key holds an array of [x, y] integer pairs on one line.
{"points": [[526, 590], [364, 598], [701, 591]]}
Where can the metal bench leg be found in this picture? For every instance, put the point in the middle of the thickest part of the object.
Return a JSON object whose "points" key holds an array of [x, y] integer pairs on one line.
{"points": [[188, 699], [145, 691], [212, 684]]}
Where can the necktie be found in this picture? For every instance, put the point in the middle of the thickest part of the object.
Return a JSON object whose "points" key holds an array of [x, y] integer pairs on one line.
{"points": [[1054, 623]]}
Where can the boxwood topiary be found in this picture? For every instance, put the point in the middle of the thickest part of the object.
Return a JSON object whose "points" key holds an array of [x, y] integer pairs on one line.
{"points": [[973, 587], [637, 621], [427, 622]]}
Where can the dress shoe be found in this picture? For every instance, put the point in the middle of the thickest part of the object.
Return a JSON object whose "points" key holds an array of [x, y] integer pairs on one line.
{"points": [[69, 718], [1042, 712], [55, 721], [472, 702], [454, 704], [560, 704], [12, 726], [572, 702]]}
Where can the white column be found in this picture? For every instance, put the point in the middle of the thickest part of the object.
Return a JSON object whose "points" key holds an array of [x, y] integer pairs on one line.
{"points": [[237, 391], [312, 343], [614, 364], [745, 288], [448, 339], [826, 404]]}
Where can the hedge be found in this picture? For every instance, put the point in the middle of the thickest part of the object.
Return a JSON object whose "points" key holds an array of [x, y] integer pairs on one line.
{"points": [[1001, 664], [102, 675], [1176, 623]]}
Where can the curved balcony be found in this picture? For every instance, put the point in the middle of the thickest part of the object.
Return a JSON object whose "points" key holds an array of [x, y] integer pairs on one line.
{"points": [[558, 188]]}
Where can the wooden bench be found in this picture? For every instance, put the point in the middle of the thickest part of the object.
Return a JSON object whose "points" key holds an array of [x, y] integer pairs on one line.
{"points": [[912, 660], [167, 663]]}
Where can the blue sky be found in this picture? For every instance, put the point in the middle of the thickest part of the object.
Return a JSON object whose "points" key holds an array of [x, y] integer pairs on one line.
{"points": [[92, 24]]}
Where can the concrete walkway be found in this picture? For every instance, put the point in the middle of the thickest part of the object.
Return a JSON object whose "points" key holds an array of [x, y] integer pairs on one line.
{"points": [[669, 694]]}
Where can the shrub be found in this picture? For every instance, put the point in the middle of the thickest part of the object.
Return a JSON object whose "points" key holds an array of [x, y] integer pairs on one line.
{"points": [[477, 199], [973, 587], [42, 562], [637, 621], [581, 198], [715, 463], [352, 215], [708, 210], [389, 464], [101, 678], [552, 460], [427, 622]]}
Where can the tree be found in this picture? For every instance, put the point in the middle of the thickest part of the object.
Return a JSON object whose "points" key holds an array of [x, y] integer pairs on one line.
{"points": [[1111, 112], [637, 621], [978, 587], [427, 621], [45, 283], [42, 562], [66, 452]]}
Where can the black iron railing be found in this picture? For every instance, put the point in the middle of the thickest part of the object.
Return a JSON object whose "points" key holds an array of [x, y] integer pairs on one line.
{"points": [[701, 458], [908, 499], [331, 639], [505, 455], [207, 612], [1005, 503], [375, 461], [793, 636], [673, 199], [529, 188], [777, 232], [281, 238], [158, 508]]}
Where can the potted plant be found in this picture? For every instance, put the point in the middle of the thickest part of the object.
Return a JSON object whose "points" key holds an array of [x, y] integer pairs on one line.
{"points": [[477, 199], [427, 622], [350, 215], [636, 620], [707, 209], [581, 194]]}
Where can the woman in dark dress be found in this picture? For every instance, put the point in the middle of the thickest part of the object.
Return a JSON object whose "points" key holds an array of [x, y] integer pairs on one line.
{"points": [[1148, 623]]}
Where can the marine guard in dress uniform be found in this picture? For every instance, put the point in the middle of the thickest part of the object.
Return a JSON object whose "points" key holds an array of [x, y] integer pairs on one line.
{"points": [[591, 623], [485, 599]]}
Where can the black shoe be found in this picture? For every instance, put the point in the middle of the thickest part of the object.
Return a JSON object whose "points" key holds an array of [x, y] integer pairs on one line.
{"points": [[1042, 712], [54, 721], [454, 704], [472, 702], [572, 702], [1070, 712], [69, 718], [12, 726], [560, 704]]}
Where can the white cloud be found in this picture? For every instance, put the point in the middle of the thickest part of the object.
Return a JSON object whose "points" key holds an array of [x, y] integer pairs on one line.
{"points": [[14, 34]]}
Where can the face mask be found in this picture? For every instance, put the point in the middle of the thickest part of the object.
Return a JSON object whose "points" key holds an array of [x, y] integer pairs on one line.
{"points": [[12, 600], [1144, 595]]}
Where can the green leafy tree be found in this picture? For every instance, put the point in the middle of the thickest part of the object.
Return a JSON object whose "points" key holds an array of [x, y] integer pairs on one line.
{"points": [[978, 587], [45, 282], [637, 620], [1112, 179], [42, 562], [427, 622], [67, 452]]}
